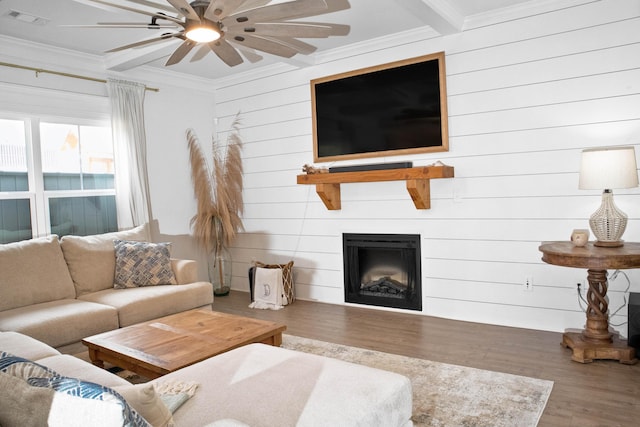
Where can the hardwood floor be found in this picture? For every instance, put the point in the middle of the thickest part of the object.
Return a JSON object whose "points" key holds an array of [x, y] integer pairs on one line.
{"points": [[603, 393]]}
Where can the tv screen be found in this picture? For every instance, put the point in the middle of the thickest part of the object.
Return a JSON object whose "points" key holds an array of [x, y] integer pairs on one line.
{"points": [[392, 109]]}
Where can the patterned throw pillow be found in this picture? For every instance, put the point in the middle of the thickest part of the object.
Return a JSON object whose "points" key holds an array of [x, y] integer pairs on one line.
{"points": [[142, 264], [22, 368], [37, 375], [89, 390]]}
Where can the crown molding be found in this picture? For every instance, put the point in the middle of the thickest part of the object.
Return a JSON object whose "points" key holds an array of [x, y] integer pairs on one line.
{"points": [[37, 55], [45, 56]]}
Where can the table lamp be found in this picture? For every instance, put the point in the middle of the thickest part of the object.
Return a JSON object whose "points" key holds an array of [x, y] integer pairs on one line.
{"points": [[607, 168]]}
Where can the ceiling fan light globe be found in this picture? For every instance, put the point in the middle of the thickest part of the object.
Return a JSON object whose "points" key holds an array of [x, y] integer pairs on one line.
{"points": [[202, 35]]}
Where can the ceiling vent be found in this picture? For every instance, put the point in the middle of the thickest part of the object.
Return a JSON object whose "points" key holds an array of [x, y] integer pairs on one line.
{"points": [[26, 17]]}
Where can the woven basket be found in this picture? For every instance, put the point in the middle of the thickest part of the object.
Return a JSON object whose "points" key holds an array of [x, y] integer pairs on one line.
{"points": [[287, 278]]}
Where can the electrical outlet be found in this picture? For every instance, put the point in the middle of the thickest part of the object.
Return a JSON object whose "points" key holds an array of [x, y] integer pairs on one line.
{"points": [[527, 285]]}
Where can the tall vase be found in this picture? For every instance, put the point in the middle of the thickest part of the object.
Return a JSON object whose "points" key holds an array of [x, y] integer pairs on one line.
{"points": [[220, 271]]}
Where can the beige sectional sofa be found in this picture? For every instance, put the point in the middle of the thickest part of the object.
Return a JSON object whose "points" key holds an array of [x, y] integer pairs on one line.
{"points": [[255, 385], [60, 291], [54, 292]]}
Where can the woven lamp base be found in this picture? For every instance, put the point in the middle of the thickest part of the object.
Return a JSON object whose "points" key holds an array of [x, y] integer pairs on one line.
{"points": [[608, 223]]}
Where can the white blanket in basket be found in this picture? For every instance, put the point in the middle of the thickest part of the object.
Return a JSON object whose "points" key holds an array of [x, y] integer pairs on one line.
{"points": [[268, 289]]}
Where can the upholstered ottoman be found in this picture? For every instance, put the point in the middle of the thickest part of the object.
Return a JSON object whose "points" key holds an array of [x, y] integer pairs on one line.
{"points": [[261, 385]]}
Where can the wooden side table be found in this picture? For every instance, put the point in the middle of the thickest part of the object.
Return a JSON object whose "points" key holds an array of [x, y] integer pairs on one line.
{"points": [[595, 341]]}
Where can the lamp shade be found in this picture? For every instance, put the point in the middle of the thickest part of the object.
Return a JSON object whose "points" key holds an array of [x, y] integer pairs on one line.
{"points": [[608, 168]]}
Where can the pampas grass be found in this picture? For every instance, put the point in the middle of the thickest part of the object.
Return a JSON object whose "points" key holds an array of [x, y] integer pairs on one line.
{"points": [[218, 190]]}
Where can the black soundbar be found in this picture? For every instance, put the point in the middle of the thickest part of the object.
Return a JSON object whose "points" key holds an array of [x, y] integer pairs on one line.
{"points": [[371, 167]]}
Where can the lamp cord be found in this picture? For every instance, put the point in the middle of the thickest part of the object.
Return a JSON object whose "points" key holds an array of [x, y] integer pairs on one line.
{"points": [[624, 296]]}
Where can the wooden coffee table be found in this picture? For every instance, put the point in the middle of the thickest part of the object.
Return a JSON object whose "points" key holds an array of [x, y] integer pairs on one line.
{"points": [[160, 346]]}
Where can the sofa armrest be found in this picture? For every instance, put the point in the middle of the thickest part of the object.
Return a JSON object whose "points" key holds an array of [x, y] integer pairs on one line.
{"points": [[185, 270]]}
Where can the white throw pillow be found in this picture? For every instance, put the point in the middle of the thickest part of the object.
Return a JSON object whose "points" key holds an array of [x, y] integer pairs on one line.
{"points": [[73, 411]]}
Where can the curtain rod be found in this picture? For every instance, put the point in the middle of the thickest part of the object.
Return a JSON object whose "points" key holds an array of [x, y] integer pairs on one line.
{"points": [[59, 73]]}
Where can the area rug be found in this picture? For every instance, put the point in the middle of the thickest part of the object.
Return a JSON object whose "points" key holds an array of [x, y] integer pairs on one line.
{"points": [[449, 395]]}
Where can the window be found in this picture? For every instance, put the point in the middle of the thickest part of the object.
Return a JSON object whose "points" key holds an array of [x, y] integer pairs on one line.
{"points": [[55, 178]]}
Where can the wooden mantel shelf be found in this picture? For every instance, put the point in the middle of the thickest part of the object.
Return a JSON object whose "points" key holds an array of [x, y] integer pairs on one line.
{"points": [[328, 184]]}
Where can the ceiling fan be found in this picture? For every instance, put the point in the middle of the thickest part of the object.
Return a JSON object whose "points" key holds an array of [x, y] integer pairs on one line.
{"points": [[230, 27]]}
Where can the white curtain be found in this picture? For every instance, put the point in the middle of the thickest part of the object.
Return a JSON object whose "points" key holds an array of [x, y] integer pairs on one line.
{"points": [[130, 152]]}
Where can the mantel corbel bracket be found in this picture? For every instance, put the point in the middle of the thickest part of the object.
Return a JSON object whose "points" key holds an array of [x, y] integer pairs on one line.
{"points": [[330, 195], [420, 192]]}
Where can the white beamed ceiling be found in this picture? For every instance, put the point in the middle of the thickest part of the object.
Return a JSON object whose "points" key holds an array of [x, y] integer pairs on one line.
{"points": [[369, 20]]}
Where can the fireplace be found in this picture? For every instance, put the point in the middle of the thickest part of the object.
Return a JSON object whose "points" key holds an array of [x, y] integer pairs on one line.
{"points": [[383, 270]]}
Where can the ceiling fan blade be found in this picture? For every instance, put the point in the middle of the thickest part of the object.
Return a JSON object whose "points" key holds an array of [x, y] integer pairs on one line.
{"points": [[143, 12], [300, 46], [279, 11], [218, 9], [154, 5], [271, 46], [336, 29], [283, 29], [122, 25], [201, 52], [337, 5], [144, 42], [226, 52], [252, 4], [181, 52], [185, 9], [222, 49], [142, 24], [251, 55]]}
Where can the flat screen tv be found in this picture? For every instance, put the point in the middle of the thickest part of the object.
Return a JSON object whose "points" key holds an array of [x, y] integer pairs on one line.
{"points": [[392, 109]]}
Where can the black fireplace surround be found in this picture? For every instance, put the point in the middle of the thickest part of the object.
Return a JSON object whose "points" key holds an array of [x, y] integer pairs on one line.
{"points": [[383, 270]]}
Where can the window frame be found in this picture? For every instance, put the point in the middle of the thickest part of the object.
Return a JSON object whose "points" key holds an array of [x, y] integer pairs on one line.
{"points": [[39, 198]]}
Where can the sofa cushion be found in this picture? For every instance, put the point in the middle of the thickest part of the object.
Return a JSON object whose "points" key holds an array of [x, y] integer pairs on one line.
{"points": [[25, 346], [74, 366], [91, 259], [33, 271], [62, 322], [137, 305], [142, 264]]}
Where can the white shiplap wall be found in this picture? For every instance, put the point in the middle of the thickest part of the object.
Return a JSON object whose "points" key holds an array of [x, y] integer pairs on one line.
{"points": [[527, 92]]}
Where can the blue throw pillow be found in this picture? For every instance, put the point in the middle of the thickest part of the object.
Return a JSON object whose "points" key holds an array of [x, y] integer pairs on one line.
{"points": [[40, 376], [22, 368], [89, 390]]}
